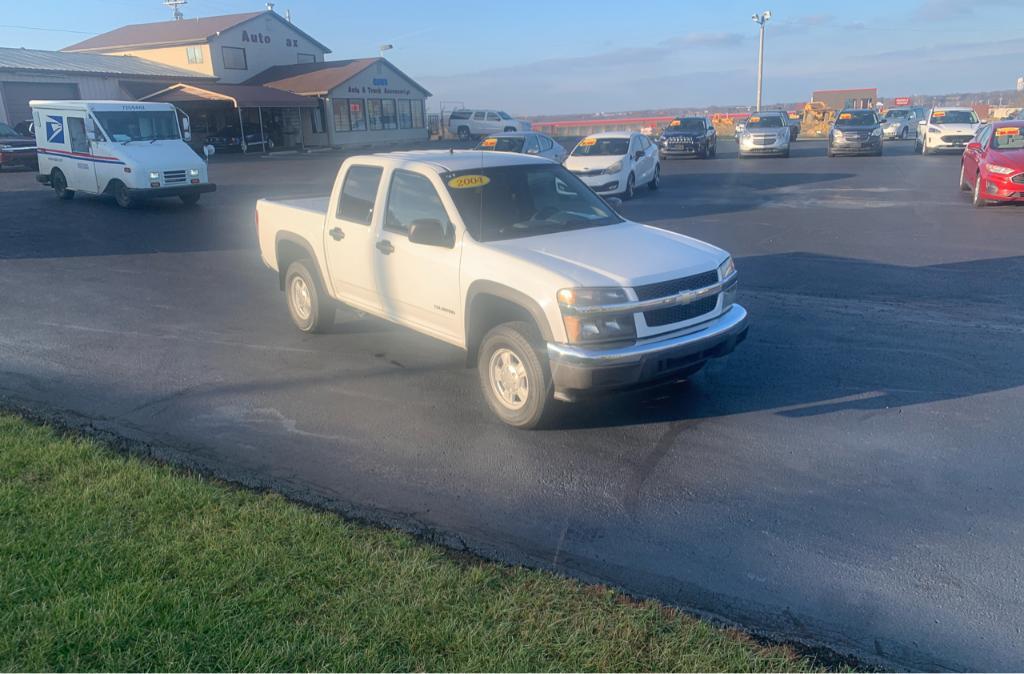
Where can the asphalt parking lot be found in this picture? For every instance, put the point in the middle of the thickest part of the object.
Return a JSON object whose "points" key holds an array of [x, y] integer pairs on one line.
{"points": [[850, 477]]}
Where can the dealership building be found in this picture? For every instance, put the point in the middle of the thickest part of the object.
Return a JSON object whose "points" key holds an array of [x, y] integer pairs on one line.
{"points": [[254, 70]]}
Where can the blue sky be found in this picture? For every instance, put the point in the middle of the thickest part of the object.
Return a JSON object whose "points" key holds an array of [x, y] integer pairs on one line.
{"points": [[578, 56]]}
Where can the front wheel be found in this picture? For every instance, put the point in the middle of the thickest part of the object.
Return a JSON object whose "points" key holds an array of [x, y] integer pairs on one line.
{"points": [[630, 191], [311, 310], [515, 376], [463, 133], [924, 146], [190, 198], [903, 133], [656, 180], [122, 196], [977, 200], [964, 185], [60, 185]]}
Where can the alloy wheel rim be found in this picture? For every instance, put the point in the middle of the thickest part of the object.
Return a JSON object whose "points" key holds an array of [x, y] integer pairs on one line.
{"points": [[302, 302], [509, 380]]}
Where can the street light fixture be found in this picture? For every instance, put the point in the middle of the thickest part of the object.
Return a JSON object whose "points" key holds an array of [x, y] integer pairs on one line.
{"points": [[761, 19], [383, 48]]}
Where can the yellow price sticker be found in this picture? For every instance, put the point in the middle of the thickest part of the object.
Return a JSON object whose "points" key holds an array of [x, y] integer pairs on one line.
{"points": [[467, 182], [939, 113], [675, 122], [846, 115], [489, 142], [793, 115], [1008, 131], [587, 142], [755, 119]]}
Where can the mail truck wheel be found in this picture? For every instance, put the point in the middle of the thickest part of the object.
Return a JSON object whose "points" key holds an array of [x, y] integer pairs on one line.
{"points": [[515, 376], [310, 308], [121, 194], [190, 198], [60, 185]]}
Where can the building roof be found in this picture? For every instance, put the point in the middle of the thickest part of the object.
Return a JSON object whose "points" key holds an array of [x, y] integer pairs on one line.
{"points": [[55, 61], [169, 33], [318, 79], [241, 95]]}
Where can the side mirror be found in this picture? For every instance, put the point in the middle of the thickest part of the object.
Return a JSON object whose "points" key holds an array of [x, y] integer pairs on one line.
{"points": [[430, 232], [638, 155], [186, 135]]}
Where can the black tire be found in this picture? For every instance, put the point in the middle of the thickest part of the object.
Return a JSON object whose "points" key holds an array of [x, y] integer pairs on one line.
{"points": [[830, 153], [924, 147], [630, 190], [714, 149], [964, 185], [656, 180], [510, 129], [308, 305], [121, 195], [60, 185], [977, 200], [190, 198], [463, 133], [785, 155], [903, 133], [510, 355]]}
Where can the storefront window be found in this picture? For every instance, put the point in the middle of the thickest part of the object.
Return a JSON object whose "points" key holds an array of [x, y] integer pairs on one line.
{"points": [[375, 114], [390, 116], [357, 114], [417, 114], [405, 114], [339, 107]]}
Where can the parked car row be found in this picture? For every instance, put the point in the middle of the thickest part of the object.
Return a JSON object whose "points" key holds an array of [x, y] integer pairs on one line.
{"points": [[471, 124]]}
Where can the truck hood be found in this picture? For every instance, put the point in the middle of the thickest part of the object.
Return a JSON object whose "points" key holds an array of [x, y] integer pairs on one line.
{"points": [[627, 254], [16, 141], [956, 129], [1009, 158], [158, 156], [577, 163]]}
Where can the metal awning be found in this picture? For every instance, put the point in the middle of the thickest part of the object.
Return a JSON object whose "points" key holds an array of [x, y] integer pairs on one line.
{"points": [[239, 95]]}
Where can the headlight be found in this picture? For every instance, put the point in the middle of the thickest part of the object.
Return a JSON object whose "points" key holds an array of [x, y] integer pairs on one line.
{"points": [[6, 148], [837, 133], [193, 173], [934, 129], [1000, 170], [877, 132], [154, 175], [614, 168], [726, 269], [581, 326]]}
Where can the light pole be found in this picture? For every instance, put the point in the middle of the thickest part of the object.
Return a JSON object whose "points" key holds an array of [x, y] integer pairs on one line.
{"points": [[383, 48], [761, 19]]}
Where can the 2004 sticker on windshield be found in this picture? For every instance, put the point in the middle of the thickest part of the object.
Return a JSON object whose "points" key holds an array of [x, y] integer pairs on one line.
{"points": [[587, 142], [468, 181]]}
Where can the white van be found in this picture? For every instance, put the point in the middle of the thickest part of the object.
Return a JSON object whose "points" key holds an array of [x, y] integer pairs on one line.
{"points": [[131, 151]]}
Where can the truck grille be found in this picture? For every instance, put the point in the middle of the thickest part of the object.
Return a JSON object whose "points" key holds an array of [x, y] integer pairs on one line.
{"points": [[174, 177], [764, 140], [956, 138], [683, 312]]}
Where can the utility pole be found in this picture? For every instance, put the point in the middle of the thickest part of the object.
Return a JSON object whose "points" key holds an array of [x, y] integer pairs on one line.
{"points": [[761, 19], [176, 6]]}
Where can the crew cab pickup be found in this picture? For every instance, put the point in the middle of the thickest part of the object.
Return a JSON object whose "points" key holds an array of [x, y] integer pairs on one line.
{"points": [[552, 294]]}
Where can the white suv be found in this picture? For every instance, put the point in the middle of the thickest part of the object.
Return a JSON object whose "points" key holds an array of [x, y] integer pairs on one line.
{"points": [[468, 124]]}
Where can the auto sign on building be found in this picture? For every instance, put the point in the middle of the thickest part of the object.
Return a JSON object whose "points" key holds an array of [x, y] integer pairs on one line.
{"points": [[901, 101]]}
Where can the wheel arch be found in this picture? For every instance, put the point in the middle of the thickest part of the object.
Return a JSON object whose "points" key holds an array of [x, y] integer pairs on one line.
{"points": [[489, 304], [290, 247]]}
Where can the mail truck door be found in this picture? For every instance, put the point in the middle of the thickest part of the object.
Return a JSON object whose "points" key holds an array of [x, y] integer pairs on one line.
{"points": [[81, 173]]}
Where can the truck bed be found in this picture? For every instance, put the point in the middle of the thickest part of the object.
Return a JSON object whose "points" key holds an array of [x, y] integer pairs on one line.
{"points": [[299, 218], [315, 204]]}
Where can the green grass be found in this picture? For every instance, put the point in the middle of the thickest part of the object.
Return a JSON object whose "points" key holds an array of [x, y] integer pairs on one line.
{"points": [[114, 563]]}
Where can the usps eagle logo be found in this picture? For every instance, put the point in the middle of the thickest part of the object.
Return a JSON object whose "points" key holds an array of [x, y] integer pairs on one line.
{"points": [[55, 129]]}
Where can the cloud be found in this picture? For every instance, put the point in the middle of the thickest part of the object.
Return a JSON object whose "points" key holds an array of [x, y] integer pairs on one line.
{"points": [[802, 24], [941, 10]]}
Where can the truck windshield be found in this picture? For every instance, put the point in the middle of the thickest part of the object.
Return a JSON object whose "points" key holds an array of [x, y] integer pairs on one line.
{"points": [[689, 124], [126, 126], [856, 118], [508, 202]]}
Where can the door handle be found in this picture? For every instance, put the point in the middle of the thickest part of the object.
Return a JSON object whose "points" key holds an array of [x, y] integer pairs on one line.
{"points": [[337, 234], [385, 247]]}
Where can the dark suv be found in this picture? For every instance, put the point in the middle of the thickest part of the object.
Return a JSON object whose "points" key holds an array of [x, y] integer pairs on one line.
{"points": [[856, 132], [688, 137]]}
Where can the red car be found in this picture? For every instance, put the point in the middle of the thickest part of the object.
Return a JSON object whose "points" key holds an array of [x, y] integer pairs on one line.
{"points": [[993, 163]]}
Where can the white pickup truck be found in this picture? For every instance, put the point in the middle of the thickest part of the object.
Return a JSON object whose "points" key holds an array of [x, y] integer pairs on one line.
{"points": [[512, 258]]}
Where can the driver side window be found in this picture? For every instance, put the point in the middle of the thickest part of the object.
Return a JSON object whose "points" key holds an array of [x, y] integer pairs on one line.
{"points": [[413, 197]]}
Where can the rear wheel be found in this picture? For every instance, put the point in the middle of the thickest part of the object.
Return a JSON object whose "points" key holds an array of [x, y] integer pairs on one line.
{"points": [[903, 133], [514, 375], [60, 185], [311, 310], [510, 129], [463, 133], [656, 180]]}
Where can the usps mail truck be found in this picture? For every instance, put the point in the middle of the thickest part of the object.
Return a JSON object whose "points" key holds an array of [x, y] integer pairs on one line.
{"points": [[130, 151]]}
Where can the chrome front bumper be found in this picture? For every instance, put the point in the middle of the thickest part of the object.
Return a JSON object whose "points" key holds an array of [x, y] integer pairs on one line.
{"points": [[576, 369]]}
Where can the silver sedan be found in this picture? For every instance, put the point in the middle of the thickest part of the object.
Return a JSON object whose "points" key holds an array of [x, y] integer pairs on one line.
{"points": [[538, 144]]}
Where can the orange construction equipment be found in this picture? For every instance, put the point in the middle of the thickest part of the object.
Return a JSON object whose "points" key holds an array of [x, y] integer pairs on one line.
{"points": [[817, 120]]}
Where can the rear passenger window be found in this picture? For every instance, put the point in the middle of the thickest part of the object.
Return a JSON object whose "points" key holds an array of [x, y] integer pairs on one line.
{"points": [[493, 117], [359, 193], [413, 197], [479, 116]]}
